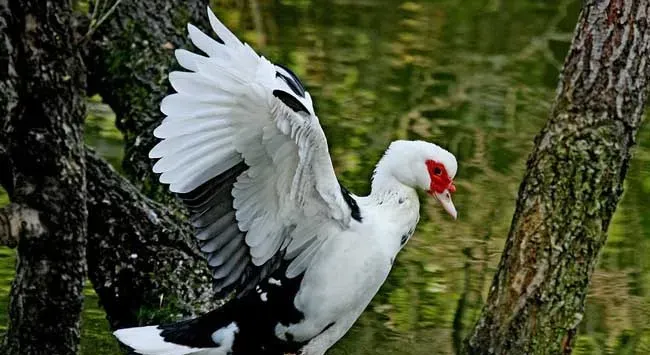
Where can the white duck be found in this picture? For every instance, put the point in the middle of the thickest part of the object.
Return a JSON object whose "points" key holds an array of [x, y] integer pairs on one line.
{"points": [[244, 150]]}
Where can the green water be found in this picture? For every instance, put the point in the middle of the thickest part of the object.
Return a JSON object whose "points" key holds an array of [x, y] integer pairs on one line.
{"points": [[477, 77]]}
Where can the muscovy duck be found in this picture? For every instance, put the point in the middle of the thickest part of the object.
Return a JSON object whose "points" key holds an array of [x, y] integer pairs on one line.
{"points": [[300, 256]]}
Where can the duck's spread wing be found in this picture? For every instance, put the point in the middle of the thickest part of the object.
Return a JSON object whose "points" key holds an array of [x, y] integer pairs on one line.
{"points": [[245, 151]]}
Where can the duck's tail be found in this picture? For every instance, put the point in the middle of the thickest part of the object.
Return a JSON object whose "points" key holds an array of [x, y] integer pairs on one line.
{"points": [[181, 338], [148, 341]]}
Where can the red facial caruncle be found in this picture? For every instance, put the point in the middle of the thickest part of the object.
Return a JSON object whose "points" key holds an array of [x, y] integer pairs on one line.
{"points": [[440, 180]]}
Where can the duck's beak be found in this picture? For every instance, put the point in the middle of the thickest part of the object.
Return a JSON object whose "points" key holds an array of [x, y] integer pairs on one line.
{"points": [[445, 200]]}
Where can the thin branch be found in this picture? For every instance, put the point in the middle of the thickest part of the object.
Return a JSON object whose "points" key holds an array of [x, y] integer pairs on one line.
{"points": [[95, 25], [108, 13], [93, 16], [15, 220]]}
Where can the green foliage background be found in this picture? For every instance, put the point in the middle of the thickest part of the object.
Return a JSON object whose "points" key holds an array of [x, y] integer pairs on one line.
{"points": [[477, 77]]}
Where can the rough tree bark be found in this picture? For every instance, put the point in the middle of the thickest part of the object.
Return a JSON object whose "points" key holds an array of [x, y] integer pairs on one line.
{"points": [[141, 257], [572, 185], [42, 113]]}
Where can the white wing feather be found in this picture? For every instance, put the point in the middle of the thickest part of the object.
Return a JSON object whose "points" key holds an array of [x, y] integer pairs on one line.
{"points": [[224, 112]]}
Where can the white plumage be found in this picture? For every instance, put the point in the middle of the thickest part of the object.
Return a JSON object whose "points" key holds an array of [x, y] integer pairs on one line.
{"points": [[243, 148], [149, 342]]}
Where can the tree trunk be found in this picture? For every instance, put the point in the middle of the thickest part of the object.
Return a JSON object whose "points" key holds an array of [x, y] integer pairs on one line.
{"points": [[141, 258], [132, 54], [42, 116], [573, 183]]}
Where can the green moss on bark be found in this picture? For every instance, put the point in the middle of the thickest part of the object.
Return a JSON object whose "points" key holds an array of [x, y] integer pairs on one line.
{"points": [[573, 183]]}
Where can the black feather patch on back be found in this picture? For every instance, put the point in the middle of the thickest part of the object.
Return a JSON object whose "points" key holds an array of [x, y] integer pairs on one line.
{"points": [[352, 203], [290, 101], [256, 316]]}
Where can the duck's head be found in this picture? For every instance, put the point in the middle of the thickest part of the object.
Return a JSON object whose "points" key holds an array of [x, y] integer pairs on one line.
{"points": [[426, 166]]}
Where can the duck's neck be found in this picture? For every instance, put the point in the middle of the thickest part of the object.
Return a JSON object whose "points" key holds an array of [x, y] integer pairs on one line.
{"points": [[386, 187]]}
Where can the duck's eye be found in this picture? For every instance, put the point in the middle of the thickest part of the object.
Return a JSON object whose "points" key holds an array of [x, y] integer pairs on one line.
{"points": [[437, 171]]}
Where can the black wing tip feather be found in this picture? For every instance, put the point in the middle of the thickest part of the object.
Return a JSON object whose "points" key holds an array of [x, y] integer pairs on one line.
{"points": [[290, 101], [292, 80], [218, 39]]}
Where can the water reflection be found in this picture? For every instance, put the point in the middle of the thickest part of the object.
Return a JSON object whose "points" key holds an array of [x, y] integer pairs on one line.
{"points": [[477, 77]]}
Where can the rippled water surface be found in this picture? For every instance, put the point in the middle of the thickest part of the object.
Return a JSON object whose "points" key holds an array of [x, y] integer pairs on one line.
{"points": [[475, 76]]}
